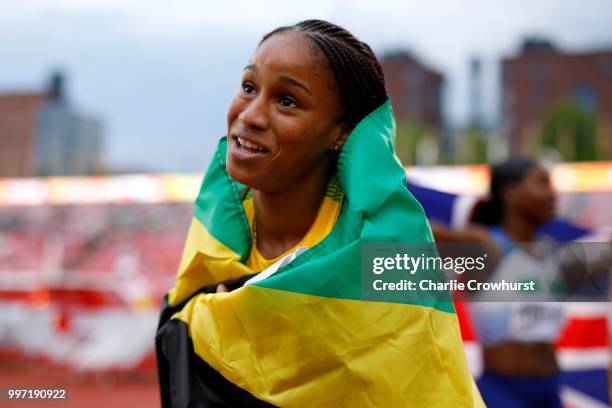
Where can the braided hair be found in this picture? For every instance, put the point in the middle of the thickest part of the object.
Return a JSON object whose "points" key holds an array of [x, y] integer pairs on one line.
{"points": [[356, 68], [490, 211]]}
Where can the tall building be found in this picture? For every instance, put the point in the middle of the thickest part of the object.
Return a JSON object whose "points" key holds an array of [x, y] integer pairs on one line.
{"points": [[18, 127], [475, 92], [542, 77], [42, 135], [416, 94], [415, 89]]}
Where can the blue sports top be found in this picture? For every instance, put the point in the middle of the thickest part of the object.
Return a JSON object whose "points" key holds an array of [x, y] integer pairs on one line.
{"points": [[518, 320]]}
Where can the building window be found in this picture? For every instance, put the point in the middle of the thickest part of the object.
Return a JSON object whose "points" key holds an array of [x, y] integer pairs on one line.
{"points": [[605, 64], [586, 97], [538, 69], [414, 77]]}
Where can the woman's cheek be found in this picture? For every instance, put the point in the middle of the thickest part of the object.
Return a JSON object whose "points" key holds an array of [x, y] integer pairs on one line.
{"points": [[233, 111]]}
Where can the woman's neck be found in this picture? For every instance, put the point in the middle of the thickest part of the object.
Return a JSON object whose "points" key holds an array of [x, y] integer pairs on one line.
{"points": [[283, 218], [519, 228]]}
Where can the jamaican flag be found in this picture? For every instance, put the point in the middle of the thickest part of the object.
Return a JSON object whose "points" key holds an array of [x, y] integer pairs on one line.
{"points": [[303, 337]]}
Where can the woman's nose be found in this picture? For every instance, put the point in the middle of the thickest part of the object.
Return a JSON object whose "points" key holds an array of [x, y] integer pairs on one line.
{"points": [[255, 114]]}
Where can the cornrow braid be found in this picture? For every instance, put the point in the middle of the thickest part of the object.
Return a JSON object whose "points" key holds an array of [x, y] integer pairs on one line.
{"points": [[356, 68]]}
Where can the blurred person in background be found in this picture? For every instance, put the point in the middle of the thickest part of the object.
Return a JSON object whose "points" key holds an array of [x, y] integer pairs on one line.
{"points": [[517, 335], [306, 174], [520, 366]]}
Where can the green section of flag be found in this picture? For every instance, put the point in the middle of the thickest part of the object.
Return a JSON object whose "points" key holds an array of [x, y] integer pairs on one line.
{"points": [[218, 206]]}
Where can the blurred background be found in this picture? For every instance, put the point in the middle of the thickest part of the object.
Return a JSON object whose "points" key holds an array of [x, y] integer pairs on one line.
{"points": [[111, 110]]}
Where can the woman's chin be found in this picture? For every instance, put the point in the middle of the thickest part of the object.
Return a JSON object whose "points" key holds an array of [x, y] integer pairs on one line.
{"points": [[242, 176], [237, 175], [548, 217]]}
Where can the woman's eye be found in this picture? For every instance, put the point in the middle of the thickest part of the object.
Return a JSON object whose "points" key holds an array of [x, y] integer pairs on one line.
{"points": [[288, 102], [248, 88]]}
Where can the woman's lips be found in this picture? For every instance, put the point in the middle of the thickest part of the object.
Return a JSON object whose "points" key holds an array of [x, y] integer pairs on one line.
{"points": [[243, 148], [247, 144]]}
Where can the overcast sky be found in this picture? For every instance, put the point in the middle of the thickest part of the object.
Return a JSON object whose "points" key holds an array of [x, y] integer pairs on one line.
{"points": [[160, 74]]}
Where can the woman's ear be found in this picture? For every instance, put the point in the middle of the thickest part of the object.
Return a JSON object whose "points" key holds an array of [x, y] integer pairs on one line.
{"points": [[340, 139]]}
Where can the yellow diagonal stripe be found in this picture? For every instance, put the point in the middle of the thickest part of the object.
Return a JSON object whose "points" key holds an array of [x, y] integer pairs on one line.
{"points": [[205, 261]]}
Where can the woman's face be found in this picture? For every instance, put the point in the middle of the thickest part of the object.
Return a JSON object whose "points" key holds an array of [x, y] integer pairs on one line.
{"points": [[285, 118], [534, 196]]}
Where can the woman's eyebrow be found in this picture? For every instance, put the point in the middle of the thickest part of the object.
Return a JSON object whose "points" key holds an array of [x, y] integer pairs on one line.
{"points": [[250, 67], [291, 81]]}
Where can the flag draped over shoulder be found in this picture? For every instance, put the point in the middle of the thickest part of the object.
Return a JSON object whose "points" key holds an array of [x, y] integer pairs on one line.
{"points": [[303, 336]]}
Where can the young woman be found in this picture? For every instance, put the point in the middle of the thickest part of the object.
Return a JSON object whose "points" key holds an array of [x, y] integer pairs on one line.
{"points": [[520, 367], [517, 331], [305, 176]]}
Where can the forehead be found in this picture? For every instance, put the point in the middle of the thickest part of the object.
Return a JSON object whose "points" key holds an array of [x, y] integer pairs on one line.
{"points": [[294, 53]]}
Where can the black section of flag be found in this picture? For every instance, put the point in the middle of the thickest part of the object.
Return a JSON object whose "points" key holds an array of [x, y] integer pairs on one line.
{"points": [[185, 380]]}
